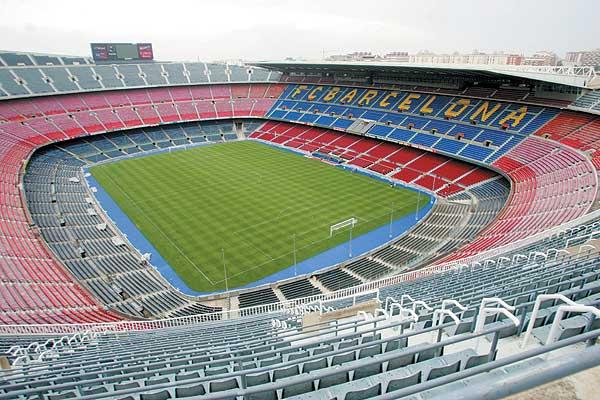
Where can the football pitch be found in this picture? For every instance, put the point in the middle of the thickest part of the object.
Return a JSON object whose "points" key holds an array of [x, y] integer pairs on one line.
{"points": [[246, 203]]}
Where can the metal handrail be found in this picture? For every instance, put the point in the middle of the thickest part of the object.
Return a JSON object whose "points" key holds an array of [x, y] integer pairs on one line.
{"points": [[562, 310], [485, 311], [536, 310]]}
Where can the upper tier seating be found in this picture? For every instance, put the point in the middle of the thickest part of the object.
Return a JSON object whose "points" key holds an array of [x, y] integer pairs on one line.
{"points": [[68, 78], [479, 130], [13, 59], [521, 96], [590, 101], [578, 130]]}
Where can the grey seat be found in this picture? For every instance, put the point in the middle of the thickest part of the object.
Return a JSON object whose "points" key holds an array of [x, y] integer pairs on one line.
{"points": [[258, 379], [241, 353], [428, 354], [370, 338], [285, 372], [183, 377], [566, 333], [219, 363], [396, 344], [475, 361], [298, 389], [401, 361], [401, 383], [314, 365], [364, 394], [157, 381], [343, 358], [137, 369], [128, 385], [365, 371], [179, 363], [95, 390], [321, 350], [189, 391], [295, 356], [250, 365], [281, 345], [155, 367], [438, 372], [335, 379], [348, 343], [64, 395], [270, 361], [162, 395], [221, 356], [200, 360], [268, 395], [215, 371], [369, 351], [462, 327], [220, 386]]}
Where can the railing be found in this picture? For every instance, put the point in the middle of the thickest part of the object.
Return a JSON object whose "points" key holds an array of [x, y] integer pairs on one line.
{"points": [[125, 326], [570, 306], [287, 306]]}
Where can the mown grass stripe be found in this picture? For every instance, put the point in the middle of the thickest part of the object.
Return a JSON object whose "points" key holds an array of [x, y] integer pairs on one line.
{"points": [[249, 199]]}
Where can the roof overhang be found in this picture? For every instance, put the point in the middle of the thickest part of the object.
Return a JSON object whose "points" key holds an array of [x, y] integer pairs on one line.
{"points": [[582, 77]]}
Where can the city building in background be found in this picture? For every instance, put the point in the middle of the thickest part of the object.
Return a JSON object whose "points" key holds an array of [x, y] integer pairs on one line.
{"points": [[588, 58], [540, 58]]}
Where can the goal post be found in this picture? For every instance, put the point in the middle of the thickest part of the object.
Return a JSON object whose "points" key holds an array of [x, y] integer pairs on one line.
{"points": [[340, 225]]}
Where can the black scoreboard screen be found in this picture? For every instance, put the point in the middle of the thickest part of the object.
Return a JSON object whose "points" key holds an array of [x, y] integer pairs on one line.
{"points": [[106, 52]]}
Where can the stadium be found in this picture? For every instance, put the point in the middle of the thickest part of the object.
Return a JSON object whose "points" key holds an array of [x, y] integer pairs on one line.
{"points": [[295, 229]]}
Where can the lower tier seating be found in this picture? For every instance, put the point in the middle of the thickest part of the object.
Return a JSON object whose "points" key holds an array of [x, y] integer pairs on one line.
{"points": [[433, 172], [57, 195], [552, 184], [34, 288]]}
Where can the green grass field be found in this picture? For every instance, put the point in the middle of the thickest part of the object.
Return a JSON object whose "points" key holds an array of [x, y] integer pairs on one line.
{"points": [[248, 199]]}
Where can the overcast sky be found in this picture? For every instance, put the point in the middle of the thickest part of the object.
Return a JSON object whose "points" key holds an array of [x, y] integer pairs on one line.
{"points": [[274, 29]]}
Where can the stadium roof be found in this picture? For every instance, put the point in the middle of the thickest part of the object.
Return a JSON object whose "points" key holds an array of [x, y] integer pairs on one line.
{"points": [[582, 77]]}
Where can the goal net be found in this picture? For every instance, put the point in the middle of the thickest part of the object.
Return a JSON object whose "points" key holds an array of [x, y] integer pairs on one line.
{"points": [[340, 225]]}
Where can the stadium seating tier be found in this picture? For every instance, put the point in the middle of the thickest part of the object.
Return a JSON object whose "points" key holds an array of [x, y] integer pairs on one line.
{"points": [[542, 185]]}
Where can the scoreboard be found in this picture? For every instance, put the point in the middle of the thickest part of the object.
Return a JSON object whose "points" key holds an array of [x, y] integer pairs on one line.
{"points": [[107, 52]]}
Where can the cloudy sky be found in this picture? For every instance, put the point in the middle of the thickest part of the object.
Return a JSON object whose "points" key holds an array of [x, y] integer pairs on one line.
{"points": [[274, 29]]}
